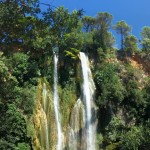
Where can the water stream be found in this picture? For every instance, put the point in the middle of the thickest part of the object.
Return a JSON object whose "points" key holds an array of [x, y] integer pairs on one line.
{"points": [[81, 130], [56, 105], [44, 123], [76, 125], [88, 92]]}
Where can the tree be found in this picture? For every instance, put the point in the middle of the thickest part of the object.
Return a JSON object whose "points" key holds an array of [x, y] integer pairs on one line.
{"points": [[13, 129], [145, 39], [12, 122], [132, 139], [102, 37], [109, 92], [109, 86], [103, 21], [146, 32], [61, 22], [123, 29], [12, 26], [130, 44], [88, 23]]}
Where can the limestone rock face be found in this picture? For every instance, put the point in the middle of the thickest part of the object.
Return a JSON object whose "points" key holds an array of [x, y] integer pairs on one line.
{"points": [[44, 119]]}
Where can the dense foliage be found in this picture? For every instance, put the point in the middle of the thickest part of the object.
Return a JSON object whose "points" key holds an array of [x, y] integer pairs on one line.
{"points": [[27, 39]]}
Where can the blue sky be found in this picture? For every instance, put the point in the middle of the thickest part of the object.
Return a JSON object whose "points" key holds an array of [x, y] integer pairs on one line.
{"points": [[135, 12]]}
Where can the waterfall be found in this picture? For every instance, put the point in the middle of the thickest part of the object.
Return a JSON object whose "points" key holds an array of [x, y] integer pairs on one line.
{"points": [[88, 92], [44, 95], [76, 125], [44, 133], [56, 105]]}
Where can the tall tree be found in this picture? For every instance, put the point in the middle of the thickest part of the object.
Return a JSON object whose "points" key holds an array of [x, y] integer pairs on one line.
{"points": [[102, 34], [88, 23], [103, 21], [145, 39], [130, 44], [146, 32], [123, 29]]}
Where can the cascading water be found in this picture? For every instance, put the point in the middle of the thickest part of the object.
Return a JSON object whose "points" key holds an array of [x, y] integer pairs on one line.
{"points": [[56, 106], [88, 92], [76, 125], [80, 134], [44, 112], [44, 95]]}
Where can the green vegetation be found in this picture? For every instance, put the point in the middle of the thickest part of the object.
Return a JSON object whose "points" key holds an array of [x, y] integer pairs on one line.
{"points": [[145, 39], [123, 29], [26, 54]]}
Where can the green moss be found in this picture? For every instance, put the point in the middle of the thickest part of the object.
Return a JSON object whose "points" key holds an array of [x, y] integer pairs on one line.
{"points": [[113, 146], [68, 98], [23, 146]]}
